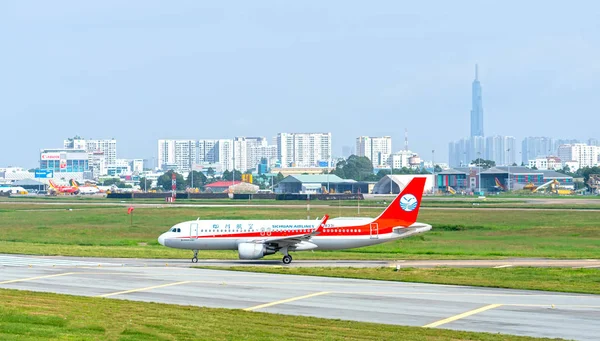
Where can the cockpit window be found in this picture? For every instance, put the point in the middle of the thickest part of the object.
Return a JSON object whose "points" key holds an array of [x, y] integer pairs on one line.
{"points": [[175, 229]]}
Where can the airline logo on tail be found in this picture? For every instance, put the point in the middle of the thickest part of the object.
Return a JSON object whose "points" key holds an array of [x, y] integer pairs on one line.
{"points": [[403, 211], [408, 202]]}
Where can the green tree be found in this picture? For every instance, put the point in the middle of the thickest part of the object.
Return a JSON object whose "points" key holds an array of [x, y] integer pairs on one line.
{"points": [[199, 179], [358, 168], [485, 164], [278, 178], [229, 176], [111, 181], [145, 183], [210, 172], [437, 169], [586, 172], [164, 181]]}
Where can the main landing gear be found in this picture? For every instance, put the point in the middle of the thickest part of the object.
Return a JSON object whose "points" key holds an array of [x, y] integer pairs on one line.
{"points": [[195, 259], [287, 259]]}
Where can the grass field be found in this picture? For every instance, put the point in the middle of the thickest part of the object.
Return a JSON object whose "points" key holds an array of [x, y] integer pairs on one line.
{"points": [[105, 231], [551, 279], [43, 316]]}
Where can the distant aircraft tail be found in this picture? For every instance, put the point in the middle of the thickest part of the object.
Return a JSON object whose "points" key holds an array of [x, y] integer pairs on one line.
{"points": [[403, 211], [52, 184], [73, 183], [499, 184]]}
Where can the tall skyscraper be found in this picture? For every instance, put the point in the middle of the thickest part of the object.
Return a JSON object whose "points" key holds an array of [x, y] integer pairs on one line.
{"points": [[377, 149], [477, 107]]}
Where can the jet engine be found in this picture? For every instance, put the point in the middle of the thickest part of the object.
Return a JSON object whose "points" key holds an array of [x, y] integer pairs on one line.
{"points": [[254, 251]]}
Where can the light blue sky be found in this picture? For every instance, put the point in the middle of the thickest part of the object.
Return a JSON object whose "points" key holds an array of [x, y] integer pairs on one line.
{"points": [[139, 71]]}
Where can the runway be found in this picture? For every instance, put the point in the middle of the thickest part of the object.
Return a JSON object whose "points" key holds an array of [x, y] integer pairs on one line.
{"points": [[59, 261], [520, 312]]}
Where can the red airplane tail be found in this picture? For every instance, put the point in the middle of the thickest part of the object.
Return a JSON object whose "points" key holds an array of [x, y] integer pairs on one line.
{"points": [[403, 211], [52, 184]]}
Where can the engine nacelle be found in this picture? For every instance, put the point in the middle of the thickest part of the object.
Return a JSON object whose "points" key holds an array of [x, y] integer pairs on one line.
{"points": [[254, 250]]}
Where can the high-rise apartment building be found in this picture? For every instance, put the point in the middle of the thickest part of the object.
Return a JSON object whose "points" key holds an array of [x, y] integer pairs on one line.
{"points": [[303, 149], [535, 147], [585, 155], [225, 154], [105, 147], [183, 155], [510, 145], [500, 149], [377, 149]]}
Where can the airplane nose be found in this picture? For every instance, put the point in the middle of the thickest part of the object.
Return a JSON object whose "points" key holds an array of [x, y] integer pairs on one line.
{"points": [[161, 240]]}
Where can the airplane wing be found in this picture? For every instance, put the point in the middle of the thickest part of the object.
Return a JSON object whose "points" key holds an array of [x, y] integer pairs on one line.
{"points": [[294, 239]]}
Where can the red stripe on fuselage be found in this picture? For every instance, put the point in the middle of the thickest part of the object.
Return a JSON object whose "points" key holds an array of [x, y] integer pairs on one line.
{"points": [[328, 232]]}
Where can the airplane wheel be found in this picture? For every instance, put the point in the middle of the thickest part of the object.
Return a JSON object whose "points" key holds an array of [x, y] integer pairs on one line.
{"points": [[195, 260], [287, 259]]}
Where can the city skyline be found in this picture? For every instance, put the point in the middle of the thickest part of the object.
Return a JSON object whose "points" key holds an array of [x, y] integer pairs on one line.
{"points": [[141, 73]]}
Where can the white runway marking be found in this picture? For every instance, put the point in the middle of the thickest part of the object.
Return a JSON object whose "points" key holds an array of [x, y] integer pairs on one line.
{"points": [[47, 262], [503, 266]]}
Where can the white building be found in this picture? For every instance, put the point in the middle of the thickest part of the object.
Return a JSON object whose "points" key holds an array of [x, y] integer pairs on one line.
{"points": [[546, 163], [120, 166], [403, 158], [377, 149], [583, 154], [268, 152], [136, 165], [186, 154], [66, 163], [108, 147], [303, 149], [241, 154], [224, 154]]}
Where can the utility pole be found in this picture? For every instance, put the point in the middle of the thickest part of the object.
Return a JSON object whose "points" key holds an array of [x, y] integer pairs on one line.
{"points": [[433, 165], [508, 180], [479, 171]]}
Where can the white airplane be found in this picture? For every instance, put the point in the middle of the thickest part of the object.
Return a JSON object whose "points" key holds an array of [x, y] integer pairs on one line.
{"points": [[255, 239]]}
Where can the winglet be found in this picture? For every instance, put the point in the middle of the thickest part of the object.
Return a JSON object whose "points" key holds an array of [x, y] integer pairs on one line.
{"points": [[321, 226]]}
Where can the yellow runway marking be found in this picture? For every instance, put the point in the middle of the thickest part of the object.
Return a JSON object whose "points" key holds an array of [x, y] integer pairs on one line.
{"points": [[143, 289], [287, 300], [460, 316], [34, 278]]}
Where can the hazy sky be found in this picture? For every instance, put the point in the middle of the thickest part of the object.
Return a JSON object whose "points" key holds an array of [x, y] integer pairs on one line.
{"points": [[140, 71]]}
